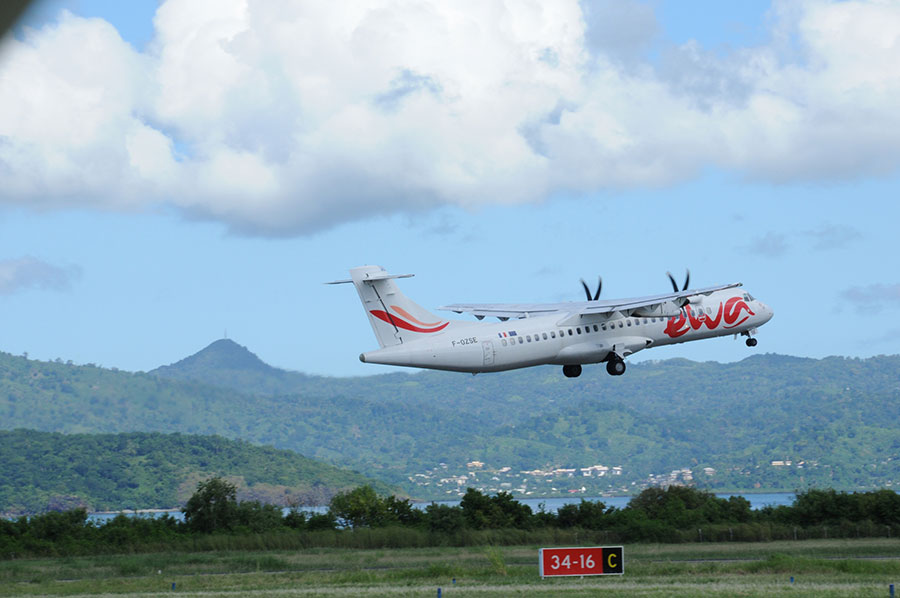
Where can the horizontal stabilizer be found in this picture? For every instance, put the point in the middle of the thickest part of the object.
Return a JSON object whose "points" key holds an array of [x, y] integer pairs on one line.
{"points": [[373, 278]]}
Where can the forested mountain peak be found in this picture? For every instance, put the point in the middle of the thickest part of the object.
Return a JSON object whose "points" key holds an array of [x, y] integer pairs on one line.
{"points": [[221, 354], [227, 364]]}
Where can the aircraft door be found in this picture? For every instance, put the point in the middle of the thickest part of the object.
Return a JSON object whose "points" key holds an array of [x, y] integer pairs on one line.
{"points": [[488, 347]]}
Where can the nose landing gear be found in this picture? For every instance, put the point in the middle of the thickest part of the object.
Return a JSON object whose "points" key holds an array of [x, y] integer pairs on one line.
{"points": [[750, 342]]}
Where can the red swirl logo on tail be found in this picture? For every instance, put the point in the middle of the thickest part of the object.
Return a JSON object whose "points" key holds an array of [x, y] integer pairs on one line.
{"points": [[414, 325], [729, 313]]}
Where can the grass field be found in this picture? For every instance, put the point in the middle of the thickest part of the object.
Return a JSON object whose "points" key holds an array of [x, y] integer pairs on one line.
{"points": [[819, 567]]}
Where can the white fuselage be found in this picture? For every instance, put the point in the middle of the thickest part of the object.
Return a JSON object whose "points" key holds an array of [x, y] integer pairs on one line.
{"points": [[562, 339]]}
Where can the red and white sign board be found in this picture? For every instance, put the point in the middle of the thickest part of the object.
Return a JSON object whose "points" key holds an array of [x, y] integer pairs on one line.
{"points": [[598, 560]]}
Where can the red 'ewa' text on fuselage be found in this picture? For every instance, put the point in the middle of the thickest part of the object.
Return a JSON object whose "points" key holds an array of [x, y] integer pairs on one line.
{"points": [[729, 315]]}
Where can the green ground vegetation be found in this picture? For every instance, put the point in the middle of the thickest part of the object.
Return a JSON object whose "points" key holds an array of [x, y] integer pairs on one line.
{"points": [[827, 568]]}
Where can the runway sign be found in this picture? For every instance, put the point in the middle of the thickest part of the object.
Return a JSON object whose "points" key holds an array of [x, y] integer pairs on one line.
{"points": [[598, 560]]}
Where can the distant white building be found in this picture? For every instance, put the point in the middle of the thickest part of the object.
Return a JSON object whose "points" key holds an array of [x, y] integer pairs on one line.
{"points": [[600, 470]]}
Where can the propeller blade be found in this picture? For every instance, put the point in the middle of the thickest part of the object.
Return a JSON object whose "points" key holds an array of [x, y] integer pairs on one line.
{"points": [[672, 280], [687, 279], [587, 291]]}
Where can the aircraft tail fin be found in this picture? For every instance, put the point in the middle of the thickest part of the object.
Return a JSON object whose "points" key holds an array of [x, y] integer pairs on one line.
{"points": [[395, 318]]}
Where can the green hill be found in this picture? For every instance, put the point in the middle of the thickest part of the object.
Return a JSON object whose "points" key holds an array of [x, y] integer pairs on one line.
{"points": [[822, 421], [50, 471]]}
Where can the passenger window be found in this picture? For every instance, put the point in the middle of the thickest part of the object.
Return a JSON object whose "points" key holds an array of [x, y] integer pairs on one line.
{"points": [[578, 330], [629, 322], [621, 325], [544, 335], [602, 326], [503, 341], [521, 340], [596, 329], [552, 334], [570, 332], [528, 338]]}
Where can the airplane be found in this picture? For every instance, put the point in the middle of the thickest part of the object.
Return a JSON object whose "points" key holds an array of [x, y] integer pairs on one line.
{"points": [[570, 334]]}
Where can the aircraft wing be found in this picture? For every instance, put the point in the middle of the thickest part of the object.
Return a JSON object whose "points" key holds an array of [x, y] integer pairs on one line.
{"points": [[664, 305]]}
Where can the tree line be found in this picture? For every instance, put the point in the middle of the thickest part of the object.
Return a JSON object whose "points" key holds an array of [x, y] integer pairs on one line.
{"points": [[214, 519]]}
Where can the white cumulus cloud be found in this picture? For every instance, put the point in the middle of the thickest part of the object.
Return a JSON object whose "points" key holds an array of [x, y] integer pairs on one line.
{"points": [[284, 118]]}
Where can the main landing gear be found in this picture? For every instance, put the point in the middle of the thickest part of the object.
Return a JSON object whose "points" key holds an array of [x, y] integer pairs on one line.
{"points": [[571, 371], [615, 367]]}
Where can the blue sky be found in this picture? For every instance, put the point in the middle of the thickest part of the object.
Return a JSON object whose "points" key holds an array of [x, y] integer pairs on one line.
{"points": [[163, 187]]}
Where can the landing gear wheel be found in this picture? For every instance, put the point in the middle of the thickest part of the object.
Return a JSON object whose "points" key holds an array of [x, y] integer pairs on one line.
{"points": [[751, 342], [615, 367], [571, 371]]}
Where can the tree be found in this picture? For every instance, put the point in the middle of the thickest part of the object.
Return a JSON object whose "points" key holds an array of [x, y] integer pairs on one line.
{"points": [[684, 506], [500, 511], [401, 511], [360, 507], [213, 507], [476, 507], [587, 514], [444, 518]]}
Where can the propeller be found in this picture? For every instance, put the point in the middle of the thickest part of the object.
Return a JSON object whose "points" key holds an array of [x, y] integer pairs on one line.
{"points": [[687, 280], [587, 289]]}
